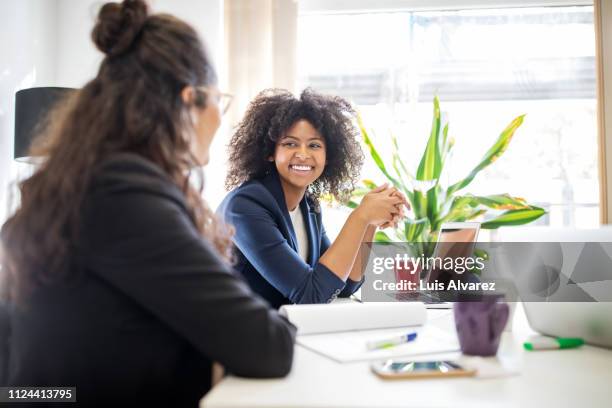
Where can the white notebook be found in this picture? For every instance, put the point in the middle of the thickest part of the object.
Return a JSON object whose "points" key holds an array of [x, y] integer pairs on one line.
{"points": [[341, 331]]}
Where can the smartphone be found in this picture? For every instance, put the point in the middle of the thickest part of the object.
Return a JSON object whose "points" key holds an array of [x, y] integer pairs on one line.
{"points": [[420, 369]]}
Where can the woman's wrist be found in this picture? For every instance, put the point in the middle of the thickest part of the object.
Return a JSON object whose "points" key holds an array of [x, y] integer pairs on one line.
{"points": [[360, 217]]}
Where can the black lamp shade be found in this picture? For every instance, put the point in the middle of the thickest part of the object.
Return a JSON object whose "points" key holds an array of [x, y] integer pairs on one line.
{"points": [[31, 108]]}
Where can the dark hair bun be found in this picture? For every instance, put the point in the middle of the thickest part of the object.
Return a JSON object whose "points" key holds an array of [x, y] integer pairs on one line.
{"points": [[118, 26]]}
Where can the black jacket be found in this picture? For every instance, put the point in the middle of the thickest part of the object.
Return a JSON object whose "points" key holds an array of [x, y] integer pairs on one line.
{"points": [[149, 307]]}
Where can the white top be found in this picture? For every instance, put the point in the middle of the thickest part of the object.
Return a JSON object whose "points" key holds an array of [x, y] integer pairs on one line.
{"points": [[300, 232]]}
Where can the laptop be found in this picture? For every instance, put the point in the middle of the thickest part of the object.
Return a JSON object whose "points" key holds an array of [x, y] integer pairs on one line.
{"points": [[591, 321], [455, 239], [590, 276]]}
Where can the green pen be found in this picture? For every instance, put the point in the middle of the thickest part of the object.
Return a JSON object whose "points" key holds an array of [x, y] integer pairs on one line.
{"points": [[391, 342], [552, 343]]}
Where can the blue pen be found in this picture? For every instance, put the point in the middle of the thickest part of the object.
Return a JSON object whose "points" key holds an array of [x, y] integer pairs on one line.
{"points": [[391, 342]]}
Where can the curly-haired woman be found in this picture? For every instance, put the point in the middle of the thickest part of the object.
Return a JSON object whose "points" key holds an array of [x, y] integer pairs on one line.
{"points": [[284, 155], [116, 269]]}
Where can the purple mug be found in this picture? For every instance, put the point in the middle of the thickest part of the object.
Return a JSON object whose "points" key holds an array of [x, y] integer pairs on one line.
{"points": [[480, 322]]}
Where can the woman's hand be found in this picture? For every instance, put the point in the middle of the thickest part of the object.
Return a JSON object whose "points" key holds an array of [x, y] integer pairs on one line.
{"points": [[397, 218], [382, 206]]}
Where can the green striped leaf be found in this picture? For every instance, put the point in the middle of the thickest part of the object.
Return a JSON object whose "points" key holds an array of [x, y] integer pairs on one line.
{"points": [[430, 166], [373, 152], [481, 253], [381, 236], [445, 137], [432, 203], [369, 184], [352, 204], [492, 154], [414, 228], [514, 217], [500, 202], [399, 165], [447, 145], [459, 206], [419, 204]]}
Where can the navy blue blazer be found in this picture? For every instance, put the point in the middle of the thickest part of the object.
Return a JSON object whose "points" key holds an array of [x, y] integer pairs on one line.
{"points": [[266, 245]]}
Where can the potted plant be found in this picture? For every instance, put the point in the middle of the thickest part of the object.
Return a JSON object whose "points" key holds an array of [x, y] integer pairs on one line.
{"points": [[434, 203]]}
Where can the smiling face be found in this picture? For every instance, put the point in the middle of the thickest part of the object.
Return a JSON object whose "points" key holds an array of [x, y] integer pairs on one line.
{"points": [[299, 157]]}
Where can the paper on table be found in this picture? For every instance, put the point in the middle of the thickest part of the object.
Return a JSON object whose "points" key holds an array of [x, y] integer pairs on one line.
{"points": [[490, 367], [327, 318], [351, 346]]}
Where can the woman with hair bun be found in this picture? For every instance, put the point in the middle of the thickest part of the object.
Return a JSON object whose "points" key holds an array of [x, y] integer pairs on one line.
{"points": [[284, 155], [116, 272]]}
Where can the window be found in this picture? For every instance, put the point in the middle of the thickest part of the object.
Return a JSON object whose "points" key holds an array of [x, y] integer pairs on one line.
{"points": [[487, 66]]}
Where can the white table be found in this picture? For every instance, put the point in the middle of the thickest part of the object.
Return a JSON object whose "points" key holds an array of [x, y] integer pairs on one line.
{"points": [[560, 378]]}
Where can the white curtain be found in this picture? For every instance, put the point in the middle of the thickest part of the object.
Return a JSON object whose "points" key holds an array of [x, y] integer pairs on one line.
{"points": [[260, 46]]}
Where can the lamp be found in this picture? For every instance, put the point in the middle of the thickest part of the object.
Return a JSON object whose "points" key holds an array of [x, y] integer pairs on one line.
{"points": [[31, 108]]}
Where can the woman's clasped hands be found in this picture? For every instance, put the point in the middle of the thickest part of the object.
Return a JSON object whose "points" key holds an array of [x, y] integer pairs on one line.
{"points": [[383, 207]]}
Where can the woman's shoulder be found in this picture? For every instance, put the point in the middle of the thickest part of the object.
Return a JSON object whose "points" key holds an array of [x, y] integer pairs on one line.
{"points": [[125, 163], [122, 169], [249, 195], [129, 172]]}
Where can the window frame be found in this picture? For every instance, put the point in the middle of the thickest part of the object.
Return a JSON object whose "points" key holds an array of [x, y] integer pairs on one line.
{"points": [[360, 6]]}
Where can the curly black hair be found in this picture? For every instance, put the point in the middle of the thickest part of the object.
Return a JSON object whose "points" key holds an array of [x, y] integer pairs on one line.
{"points": [[271, 114]]}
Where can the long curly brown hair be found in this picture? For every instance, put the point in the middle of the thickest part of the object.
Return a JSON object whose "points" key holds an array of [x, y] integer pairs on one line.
{"points": [[132, 105], [268, 118]]}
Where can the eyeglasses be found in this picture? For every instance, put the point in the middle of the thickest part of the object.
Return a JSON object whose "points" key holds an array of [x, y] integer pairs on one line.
{"points": [[224, 100]]}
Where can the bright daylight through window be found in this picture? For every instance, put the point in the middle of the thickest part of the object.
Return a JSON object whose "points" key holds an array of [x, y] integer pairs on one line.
{"points": [[487, 67]]}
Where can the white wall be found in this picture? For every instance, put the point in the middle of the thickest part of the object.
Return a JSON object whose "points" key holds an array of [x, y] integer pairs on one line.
{"points": [[77, 58], [206, 16], [27, 59], [47, 43]]}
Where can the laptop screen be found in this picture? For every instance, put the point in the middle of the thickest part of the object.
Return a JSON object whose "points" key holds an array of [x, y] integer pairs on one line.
{"points": [[456, 240]]}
